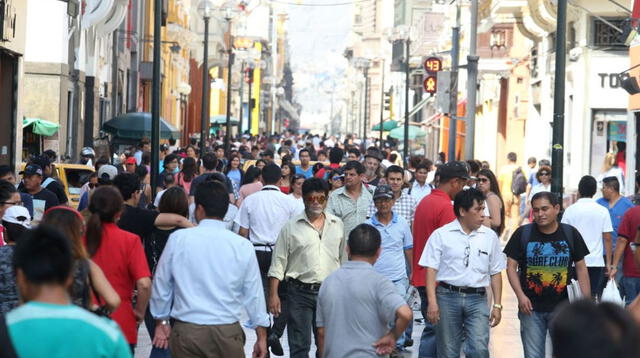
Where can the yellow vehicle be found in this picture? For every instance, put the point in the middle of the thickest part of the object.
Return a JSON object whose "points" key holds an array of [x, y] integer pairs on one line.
{"points": [[72, 177]]}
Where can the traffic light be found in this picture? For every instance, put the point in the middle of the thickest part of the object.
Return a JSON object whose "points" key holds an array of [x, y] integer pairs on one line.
{"points": [[388, 102], [430, 84]]}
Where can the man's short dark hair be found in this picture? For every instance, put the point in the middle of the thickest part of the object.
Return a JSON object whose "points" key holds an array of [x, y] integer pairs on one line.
{"points": [[544, 162], [304, 150], [219, 146], [169, 158], [512, 157], [44, 256], [315, 184], [549, 196], [335, 155], [587, 186], [213, 197], [209, 161], [355, 152], [127, 184], [364, 240], [6, 169], [474, 167], [354, 165], [271, 174], [465, 200], [588, 330], [532, 160], [393, 169], [425, 164], [267, 153], [610, 182]]}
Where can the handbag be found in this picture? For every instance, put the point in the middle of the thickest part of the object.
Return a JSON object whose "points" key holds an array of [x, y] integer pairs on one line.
{"points": [[102, 309]]}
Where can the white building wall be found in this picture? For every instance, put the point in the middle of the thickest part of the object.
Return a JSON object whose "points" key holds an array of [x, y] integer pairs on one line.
{"points": [[47, 27]]}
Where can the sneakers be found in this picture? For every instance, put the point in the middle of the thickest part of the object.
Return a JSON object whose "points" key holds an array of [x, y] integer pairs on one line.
{"points": [[274, 343]]}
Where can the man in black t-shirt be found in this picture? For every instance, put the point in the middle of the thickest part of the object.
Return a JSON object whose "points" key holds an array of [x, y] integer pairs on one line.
{"points": [[49, 182], [210, 163], [43, 199], [541, 259]]}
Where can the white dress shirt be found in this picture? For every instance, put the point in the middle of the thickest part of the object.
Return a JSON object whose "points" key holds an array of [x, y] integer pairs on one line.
{"points": [[208, 275], [463, 260], [592, 220], [419, 191], [265, 213]]}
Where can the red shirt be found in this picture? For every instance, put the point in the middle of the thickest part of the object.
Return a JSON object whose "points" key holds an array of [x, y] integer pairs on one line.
{"points": [[628, 229], [434, 211], [121, 257]]}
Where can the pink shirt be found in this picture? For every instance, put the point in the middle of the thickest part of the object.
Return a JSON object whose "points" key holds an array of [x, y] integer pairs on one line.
{"points": [[247, 190]]}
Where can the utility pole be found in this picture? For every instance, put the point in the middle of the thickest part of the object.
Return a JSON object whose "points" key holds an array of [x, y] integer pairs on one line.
{"points": [[382, 107], [453, 105], [557, 149], [204, 113], [472, 82], [366, 108], [407, 70], [155, 94], [240, 93], [228, 137]]}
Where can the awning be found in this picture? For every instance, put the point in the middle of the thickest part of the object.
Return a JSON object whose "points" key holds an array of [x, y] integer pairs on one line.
{"points": [[222, 119], [414, 132], [137, 125], [387, 126], [41, 126]]}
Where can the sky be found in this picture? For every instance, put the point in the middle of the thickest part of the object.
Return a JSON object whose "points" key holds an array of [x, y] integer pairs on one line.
{"points": [[317, 39]]}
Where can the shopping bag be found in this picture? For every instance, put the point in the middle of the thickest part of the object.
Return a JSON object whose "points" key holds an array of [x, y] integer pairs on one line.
{"points": [[612, 294], [574, 291]]}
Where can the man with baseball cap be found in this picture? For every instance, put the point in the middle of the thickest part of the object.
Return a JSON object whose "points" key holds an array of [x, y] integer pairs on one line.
{"points": [[396, 244], [130, 165], [433, 212], [48, 181], [43, 198]]}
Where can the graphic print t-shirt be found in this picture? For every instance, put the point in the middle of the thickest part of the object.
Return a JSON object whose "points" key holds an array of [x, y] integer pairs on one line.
{"points": [[545, 265]]}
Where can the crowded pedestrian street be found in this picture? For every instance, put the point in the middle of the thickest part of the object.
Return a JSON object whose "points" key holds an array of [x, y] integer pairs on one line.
{"points": [[319, 178]]}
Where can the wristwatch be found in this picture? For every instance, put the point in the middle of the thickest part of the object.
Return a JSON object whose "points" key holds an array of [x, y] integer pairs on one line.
{"points": [[164, 322], [498, 306]]}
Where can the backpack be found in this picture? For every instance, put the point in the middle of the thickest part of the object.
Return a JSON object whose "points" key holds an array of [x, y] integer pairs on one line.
{"points": [[518, 182], [567, 230]]}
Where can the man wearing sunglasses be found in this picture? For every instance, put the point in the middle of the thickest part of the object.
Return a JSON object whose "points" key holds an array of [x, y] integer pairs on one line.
{"points": [[464, 257], [310, 247]]}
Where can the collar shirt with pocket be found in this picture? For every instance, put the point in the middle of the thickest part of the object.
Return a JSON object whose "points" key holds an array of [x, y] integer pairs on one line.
{"points": [[464, 260], [351, 212]]}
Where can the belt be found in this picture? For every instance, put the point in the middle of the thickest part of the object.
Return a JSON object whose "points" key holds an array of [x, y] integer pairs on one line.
{"points": [[468, 290], [263, 247], [307, 286]]}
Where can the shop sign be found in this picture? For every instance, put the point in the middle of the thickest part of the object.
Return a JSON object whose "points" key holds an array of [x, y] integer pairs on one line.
{"points": [[612, 80]]}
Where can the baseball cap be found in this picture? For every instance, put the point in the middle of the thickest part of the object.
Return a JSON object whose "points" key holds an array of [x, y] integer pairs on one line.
{"points": [[130, 160], [17, 214], [108, 172], [383, 192], [32, 169], [454, 169]]}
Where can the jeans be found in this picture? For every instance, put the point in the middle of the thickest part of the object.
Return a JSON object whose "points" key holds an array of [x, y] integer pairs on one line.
{"points": [[402, 285], [596, 277], [428, 339], [462, 315], [631, 286], [302, 320], [150, 323], [533, 331]]}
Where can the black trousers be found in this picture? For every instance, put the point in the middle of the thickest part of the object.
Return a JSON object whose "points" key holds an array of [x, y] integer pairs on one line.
{"points": [[280, 322]]}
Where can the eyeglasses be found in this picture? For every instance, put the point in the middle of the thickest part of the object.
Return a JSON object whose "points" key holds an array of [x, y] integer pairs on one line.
{"points": [[544, 174], [337, 177], [93, 185], [319, 198], [467, 251], [483, 180], [19, 203]]}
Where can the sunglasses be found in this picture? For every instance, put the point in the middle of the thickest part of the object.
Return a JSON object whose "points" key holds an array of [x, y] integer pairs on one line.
{"points": [[319, 198], [544, 174], [93, 185], [337, 177], [483, 180]]}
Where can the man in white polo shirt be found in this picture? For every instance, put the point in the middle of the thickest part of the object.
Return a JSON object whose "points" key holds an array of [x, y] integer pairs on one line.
{"points": [[594, 225], [261, 217], [464, 257]]}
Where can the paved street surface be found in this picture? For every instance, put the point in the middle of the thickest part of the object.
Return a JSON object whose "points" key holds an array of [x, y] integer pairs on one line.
{"points": [[505, 339]]}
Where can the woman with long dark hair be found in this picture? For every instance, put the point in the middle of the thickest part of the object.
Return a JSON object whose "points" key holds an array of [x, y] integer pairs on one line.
{"points": [[288, 171], [488, 185], [188, 173], [233, 171], [121, 257], [87, 276], [250, 184]]}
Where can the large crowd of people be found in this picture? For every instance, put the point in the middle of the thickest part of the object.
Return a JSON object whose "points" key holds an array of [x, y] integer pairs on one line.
{"points": [[321, 237]]}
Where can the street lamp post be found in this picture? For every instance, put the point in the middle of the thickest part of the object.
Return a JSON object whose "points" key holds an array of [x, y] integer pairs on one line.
{"points": [[155, 95], [403, 33], [205, 9], [363, 64], [227, 142]]}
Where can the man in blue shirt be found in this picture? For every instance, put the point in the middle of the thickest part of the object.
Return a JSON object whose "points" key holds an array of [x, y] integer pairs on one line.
{"points": [[397, 243], [617, 206], [305, 167]]}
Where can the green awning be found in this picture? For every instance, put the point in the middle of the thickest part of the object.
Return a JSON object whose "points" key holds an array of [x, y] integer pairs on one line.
{"points": [[414, 132], [387, 126], [219, 119], [41, 126]]}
